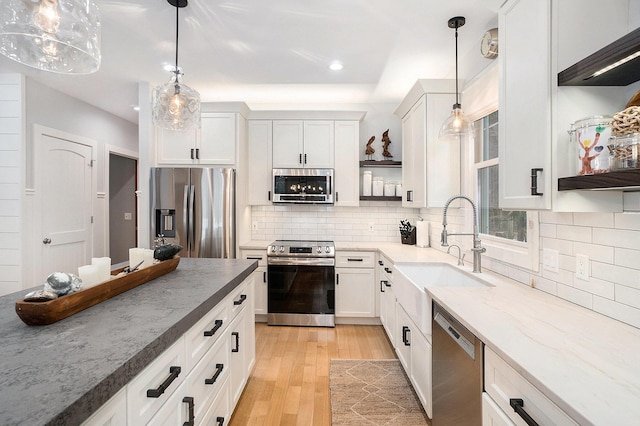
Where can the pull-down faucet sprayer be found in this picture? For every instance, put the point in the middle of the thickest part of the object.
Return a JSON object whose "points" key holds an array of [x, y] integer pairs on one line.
{"points": [[477, 244]]}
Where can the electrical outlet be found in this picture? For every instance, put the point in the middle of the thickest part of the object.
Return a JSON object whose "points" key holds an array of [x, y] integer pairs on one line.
{"points": [[582, 267], [128, 216], [254, 225], [371, 227], [550, 260]]}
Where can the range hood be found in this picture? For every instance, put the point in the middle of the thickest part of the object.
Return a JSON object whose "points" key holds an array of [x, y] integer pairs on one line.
{"points": [[588, 72]]}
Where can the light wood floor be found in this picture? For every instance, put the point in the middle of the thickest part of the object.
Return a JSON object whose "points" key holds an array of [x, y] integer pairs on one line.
{"points": [[290, 381]]}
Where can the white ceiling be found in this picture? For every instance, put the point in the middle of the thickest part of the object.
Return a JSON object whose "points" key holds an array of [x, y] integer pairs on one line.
{"points": [[275, 53]]}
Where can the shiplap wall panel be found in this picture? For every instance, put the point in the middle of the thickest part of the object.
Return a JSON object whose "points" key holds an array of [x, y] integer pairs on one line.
{"points": [[11, 136]]}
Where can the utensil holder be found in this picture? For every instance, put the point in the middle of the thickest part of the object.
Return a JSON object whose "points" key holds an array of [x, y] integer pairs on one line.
{"points": [[411, 238]]}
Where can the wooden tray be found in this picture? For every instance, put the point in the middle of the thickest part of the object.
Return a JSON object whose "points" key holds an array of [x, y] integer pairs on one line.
{"points": [[43, 313]]}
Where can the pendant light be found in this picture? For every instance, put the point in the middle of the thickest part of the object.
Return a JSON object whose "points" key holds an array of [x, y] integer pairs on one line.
{"points": [[61, 36], [457, 125], [176, 106]]}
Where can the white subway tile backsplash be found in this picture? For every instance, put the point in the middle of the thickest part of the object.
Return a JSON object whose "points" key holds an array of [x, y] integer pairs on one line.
{"points": [[617, 237], [576, 296], [627, 295], [616, 310], [574, 233], [557, 218], [595, 252], [601, 220], [627, 220], [616, 274]]}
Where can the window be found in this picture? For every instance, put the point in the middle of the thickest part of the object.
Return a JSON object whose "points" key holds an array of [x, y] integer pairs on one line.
{"points": [[510, 225]]}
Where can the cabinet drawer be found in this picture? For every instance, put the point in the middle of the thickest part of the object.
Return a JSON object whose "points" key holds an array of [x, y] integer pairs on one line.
{"points": [[161, 375], [206, 332], [259, 255], [492, 415], [207, 377], [502, 383], [385, 268], [219, 412], [238, 299], [355, 259], [112, 413]]}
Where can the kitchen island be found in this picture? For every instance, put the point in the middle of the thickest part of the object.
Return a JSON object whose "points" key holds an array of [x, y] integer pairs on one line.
{"points": [[63, 372]]}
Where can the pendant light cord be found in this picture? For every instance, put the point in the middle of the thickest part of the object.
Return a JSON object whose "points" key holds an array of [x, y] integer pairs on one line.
{"points": [[178, 32], [457, 103]]}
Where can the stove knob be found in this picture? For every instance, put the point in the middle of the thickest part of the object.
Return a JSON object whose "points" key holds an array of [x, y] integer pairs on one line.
{"points": [[281, 249], [319, 249], [273, 249], [327, 249]]}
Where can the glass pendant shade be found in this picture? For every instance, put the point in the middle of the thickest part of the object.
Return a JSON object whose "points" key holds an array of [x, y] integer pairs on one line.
{"points": [[456, 126], [176, 106], [61, 36]]}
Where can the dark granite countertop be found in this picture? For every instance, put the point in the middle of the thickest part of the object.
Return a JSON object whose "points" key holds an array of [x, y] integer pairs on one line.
{"points": [[59, 374]]}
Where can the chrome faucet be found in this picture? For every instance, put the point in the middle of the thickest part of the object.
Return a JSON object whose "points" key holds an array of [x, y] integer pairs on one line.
{"points": [[477, 244]]}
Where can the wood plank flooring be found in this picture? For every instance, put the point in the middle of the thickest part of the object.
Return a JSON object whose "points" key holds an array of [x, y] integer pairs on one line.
{"points": [[289, 384]]}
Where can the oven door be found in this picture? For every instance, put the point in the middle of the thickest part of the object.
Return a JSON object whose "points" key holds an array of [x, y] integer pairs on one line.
{"points": [[301, 291]]}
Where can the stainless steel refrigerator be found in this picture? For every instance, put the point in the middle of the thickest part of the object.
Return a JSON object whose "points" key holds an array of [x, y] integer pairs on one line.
{"points": [[195, 208]]}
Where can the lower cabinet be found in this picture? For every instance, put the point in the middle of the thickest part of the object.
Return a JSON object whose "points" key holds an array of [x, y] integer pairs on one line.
{"points": [[197, 380], [414, 351], [355, 284], [259, 279], [387, 299], [503, 386]]}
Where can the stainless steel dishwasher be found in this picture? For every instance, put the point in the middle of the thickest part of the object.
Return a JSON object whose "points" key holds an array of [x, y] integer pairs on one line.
{"points": [[457, 372]]}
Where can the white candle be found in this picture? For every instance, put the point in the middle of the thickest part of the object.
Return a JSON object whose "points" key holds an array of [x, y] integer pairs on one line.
{"points": [[104, 267], [148, 258], [89, 275], [136, 255]]}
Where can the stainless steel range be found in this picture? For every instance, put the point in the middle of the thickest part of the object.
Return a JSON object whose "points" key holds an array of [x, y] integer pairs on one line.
{"points": [[301, 284]]}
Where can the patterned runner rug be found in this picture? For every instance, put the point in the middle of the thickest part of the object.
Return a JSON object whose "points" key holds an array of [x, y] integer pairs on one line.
{"points": [[373, 392]]}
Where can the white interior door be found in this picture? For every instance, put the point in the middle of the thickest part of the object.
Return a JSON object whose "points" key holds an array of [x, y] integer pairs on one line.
{"points": [[63, 171]]}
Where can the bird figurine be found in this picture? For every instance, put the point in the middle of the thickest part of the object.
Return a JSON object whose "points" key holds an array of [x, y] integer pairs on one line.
{"points": [[369, 150], [385, 144]]}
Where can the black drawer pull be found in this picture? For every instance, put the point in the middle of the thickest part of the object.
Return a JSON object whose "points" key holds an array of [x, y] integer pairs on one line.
{"points": [[236, 335], [254, 257], [197, 153], [387, 283], [219, 368], [518, 406], [405, 339], [193, 157], [192, 418], [216, 327], [388, 270], [264, 277], [355, 259], [174, 372], [381, 287], [243, 297], [380, 263], [220, 421]]}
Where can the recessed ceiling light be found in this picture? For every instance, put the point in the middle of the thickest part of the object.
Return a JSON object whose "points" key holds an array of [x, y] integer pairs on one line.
{"points": [[135, 107], [335, 66]]}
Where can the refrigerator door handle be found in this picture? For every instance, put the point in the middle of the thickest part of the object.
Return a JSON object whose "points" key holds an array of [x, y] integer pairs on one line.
{"points": [[192, 216], [185, 215]]}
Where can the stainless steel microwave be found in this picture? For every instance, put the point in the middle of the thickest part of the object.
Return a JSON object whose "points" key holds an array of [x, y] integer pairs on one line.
{"points": [[303, 186]]}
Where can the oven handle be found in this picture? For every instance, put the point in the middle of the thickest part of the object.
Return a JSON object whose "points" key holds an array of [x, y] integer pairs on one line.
{"points": [[301, 261]]}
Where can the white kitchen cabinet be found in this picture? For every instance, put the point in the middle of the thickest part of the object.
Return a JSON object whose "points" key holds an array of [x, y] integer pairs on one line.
{"points": [[539, 38], [355, 284], [502, 383], [430, 168], [220, 412], [112, 413], [347, 171], [238, 341], [214, 144], [414, 352], [259, 279], [260, 162], [303, 143], [387, 299], [492, 415]]}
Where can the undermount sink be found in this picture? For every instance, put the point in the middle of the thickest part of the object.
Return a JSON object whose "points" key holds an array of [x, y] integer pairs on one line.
{"points": [[411, 280]]}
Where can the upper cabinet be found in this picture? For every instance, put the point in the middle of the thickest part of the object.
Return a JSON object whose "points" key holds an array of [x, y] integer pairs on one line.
{"points": [[307, 144], [537, 39], [214, 144], [260, 134], [430, 168], [347, 172]]}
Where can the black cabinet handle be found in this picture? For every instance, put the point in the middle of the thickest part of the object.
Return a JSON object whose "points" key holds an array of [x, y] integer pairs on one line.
{"points": [[305, 159], [174, 372], [380, 263], [193, 157], [236, 335], [409, 195], [300, 159], [355, 259], [388, 270], [197, 153], [269, 195], [518, 406], [387, 283], [212, 380], [264, 277], [192, 418], [337, 279], [405, 339], [534, 182], [381, 287], [216, 327], [240, 301], [254, 257], [220, 421]]}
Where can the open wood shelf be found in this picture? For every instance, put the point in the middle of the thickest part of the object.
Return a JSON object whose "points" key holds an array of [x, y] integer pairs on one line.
{"points": [[375, 198], [383, 163], [621, 179]]}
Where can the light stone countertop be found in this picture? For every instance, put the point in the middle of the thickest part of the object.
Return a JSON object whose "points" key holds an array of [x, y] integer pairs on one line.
{"points": [[59, 374], [586, 363]]}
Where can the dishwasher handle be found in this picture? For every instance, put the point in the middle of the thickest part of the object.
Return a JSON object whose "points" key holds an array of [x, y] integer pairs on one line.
{"points": [[453, 330]]}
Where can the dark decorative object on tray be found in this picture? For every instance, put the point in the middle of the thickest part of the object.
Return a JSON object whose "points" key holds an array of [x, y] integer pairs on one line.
{"points": [[369, 150], [166, 251], [385, 144], [407, 232]]}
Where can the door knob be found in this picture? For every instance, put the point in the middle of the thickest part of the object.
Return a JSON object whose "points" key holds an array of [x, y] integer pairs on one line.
{"points": [[46, 241]]}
